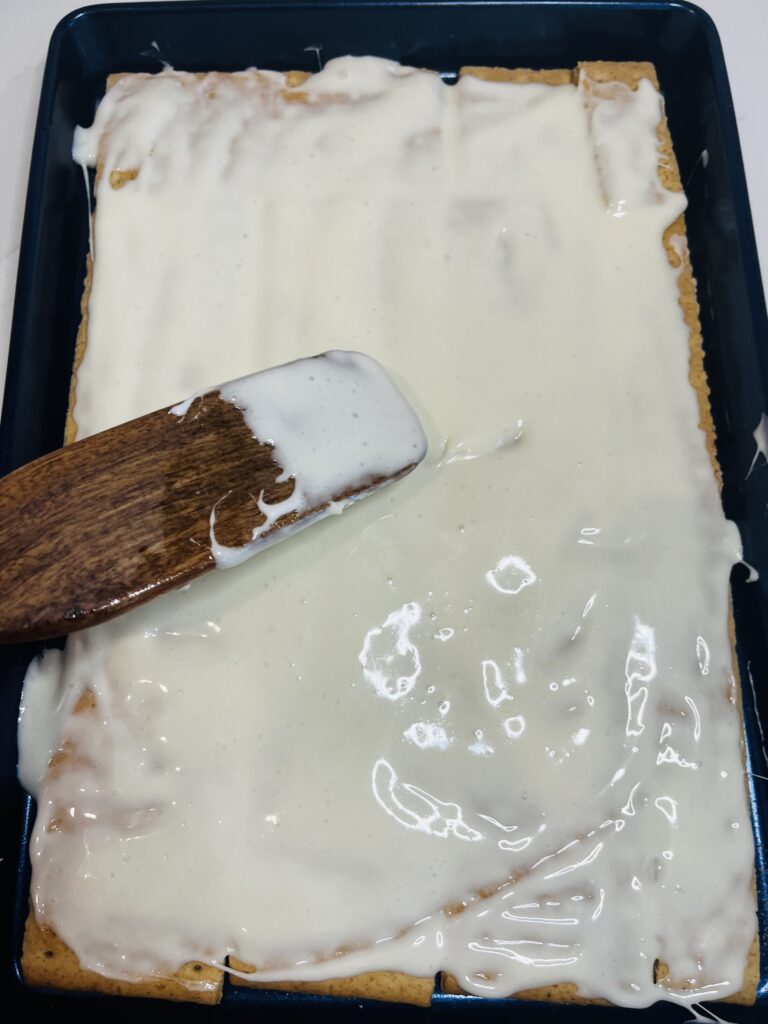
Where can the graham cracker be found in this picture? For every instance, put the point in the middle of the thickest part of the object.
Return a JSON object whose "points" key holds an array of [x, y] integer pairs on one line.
{"points": [[50, 963]]}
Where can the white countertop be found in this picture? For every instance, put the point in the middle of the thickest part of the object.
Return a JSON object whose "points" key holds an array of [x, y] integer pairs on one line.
{"points": [[26, 25]]}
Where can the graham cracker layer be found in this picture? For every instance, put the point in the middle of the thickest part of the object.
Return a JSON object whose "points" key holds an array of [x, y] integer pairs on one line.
{"points": [[48, 962]]}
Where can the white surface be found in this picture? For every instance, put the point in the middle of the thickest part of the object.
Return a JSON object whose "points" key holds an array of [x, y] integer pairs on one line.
{"points": [[26, 26]]}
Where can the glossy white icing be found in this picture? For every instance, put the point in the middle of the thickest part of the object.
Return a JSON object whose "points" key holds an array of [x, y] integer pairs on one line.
{"points": [[512, 678]]}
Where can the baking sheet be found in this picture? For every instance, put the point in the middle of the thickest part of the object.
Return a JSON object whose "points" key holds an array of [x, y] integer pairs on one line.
{"points": [[680, 40]]}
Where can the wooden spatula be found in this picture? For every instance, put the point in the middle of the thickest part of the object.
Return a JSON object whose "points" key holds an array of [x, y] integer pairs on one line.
{"points": [[103, 525]]}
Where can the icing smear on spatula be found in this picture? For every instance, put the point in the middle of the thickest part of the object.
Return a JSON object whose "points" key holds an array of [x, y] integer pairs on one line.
{"points": [[339, 427]]}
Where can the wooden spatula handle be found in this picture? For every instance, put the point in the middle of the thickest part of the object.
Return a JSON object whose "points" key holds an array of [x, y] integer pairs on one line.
{"points": [[139, 521]]}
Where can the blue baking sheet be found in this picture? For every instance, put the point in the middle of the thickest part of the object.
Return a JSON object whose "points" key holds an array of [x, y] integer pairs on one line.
{"points": [[682, 42]]}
